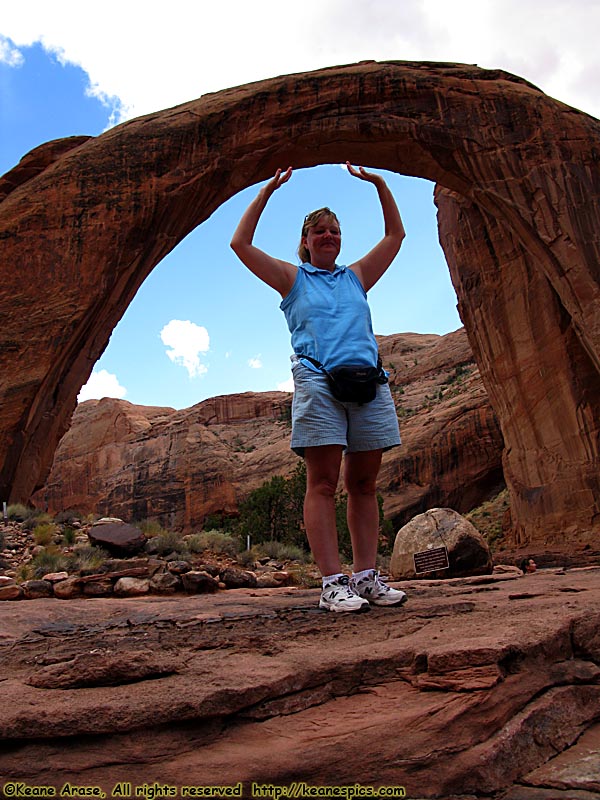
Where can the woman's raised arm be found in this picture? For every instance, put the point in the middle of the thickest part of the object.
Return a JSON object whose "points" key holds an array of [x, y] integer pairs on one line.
{"points": [[278, 274], [371, 267]]}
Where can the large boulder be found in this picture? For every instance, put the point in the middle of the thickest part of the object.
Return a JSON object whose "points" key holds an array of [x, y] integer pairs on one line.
{"points": [[119, 538], [468, 552]]}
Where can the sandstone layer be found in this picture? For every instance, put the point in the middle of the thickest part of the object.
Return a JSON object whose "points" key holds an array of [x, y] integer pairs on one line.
{"points": [[139, 462], [478, 687], [80, 236]]}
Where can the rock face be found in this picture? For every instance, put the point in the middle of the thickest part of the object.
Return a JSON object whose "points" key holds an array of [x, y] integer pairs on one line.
{"points": [[435, 530], [521, 182], [179, 466], [496, 680]]}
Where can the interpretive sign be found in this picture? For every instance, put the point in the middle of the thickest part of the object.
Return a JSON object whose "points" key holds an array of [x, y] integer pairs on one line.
{"points": [[431, 560]]}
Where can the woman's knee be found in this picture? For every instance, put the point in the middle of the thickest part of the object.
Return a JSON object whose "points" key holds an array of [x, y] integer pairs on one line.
{"points": [[361, 485]]}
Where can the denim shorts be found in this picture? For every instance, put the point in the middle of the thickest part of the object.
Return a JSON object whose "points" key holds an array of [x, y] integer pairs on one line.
{"points": [[319, 419]]}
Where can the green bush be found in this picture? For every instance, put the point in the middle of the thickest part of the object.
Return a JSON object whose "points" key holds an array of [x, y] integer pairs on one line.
{"points": [[280, 551], [151, 528], [19, 513], [44, 533], [87, 558], [215, 541], [248, 558], [169, 542], [47, 561], [68, 535], [36, 518]]}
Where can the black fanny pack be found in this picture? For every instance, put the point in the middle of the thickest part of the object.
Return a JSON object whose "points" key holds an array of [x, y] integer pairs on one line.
{"points": [[352, 384]]}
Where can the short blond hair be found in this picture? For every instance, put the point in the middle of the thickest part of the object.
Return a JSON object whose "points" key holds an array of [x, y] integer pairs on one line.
{"points": [[310, 221]]}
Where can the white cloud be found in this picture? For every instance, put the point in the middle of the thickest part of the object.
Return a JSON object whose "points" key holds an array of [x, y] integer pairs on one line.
{"points": [[101, 384], [143, 62], [188, 342], [256, 362], [286, 386], [9, 54]]}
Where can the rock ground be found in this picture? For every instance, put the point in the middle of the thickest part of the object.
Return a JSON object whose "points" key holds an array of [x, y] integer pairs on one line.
{"points": [[482, 687]]}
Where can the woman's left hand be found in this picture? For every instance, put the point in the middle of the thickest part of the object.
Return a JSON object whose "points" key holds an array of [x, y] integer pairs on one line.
{"points": [[362, 173]]}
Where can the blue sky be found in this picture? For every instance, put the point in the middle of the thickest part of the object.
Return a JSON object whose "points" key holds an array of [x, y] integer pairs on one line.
{"points": [[201, 325]]}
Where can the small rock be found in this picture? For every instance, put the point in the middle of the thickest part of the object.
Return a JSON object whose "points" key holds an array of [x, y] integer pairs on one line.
{"points": [[199, 582], [98, 588], [131, 587], [210, 568], [266, 581], [10, 592], [35, 589], [165, 583], [65, 590], [54, 577], [179, 567], [6, 581], [238, 578], [108, 521]]}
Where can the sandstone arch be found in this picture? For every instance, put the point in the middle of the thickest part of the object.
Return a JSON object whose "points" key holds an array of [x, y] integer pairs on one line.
{"points": [[84, 221]]}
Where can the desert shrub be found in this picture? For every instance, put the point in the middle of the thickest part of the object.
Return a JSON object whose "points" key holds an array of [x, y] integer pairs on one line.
{"points": [[248, 558], [47, 561], [284, 552], [36, 518], [44, 533], [24, 573], [169, 542], [215, 541], [68, 535], [69, 516], [18, 512], [151, 528], [87, 558]]}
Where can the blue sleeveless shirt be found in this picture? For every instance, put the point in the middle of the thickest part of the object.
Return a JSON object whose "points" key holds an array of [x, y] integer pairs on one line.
{"points": [[329, 318]]}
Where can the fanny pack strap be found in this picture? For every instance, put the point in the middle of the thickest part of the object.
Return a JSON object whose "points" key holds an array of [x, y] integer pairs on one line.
{"points": [[382, 376]]}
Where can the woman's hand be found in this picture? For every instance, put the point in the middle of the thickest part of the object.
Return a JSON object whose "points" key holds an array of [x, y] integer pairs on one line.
{"points": [[362, 173], [372, 266], [278, 180]]}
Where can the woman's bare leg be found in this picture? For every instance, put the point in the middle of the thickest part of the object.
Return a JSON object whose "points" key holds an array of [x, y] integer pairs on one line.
{"points": [[360, 478], [322, 473]]}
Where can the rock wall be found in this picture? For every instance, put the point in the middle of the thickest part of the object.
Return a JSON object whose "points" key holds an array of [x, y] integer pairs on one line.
{"points": [[549, 407], [80, 236]]}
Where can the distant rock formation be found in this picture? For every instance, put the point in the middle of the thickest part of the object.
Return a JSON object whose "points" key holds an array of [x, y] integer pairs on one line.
{"points": [[518, 193], [139, 462]]}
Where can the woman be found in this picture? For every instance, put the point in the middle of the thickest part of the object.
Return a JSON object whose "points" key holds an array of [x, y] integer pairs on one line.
{"points": [[327, 312]]}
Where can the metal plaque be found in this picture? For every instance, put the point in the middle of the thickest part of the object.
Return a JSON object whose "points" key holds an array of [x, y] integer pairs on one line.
{"points": [[431, 560]]}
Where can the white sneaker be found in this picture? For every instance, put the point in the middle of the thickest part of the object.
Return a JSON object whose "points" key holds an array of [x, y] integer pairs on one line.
{"points": [[376, 592], [340, 596]]}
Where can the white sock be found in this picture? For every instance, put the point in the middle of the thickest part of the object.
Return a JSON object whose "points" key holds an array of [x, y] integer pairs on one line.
{"points": [[331, 578], [364, 573]]}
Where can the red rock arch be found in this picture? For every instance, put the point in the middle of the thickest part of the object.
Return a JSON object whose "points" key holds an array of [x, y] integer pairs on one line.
{"points": [[84, 221]]}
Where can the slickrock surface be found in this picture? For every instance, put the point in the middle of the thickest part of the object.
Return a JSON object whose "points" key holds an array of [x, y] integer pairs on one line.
{"points": [[142, 462], [482, 687], [519, 216]]}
